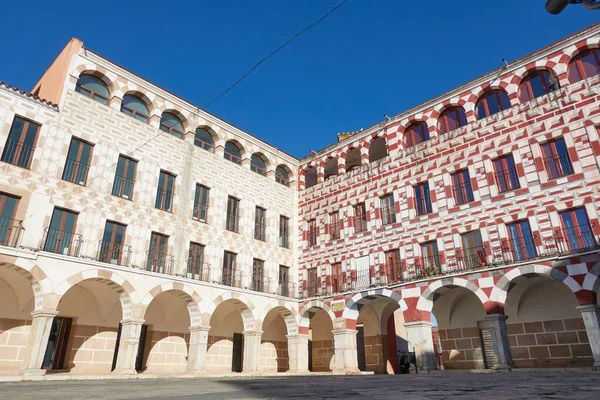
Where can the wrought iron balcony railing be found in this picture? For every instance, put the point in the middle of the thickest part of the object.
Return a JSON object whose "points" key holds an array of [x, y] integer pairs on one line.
{"points": [[62, 242], [10, 232], [113, 253], [161, 263], [197, 270]]}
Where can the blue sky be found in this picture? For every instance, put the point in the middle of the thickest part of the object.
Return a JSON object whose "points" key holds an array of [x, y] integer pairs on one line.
{"points": [[368, 58]]}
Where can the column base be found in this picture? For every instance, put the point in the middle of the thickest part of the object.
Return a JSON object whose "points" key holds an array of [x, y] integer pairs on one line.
{"points": [[124, 372], [196, 373], [298, 372], [596, 367], [33, 372], [502, 367], [348, 371]]}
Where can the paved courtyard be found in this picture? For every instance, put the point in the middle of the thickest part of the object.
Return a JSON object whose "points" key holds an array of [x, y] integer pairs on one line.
{"points": [[487, 386]]}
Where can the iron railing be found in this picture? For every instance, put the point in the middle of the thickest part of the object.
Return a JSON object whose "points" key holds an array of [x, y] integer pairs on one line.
{"points": [[558, 165], [17, 153], [164, 200], [233, 222], [573, 239], [197, 270], [200, 212], [10, 232], [360, 223], [75, 171], [159, 262], [470, 258], [287, 290], [388, 215], [62, 242], [113, 253], [123, 187], [517, 249], [507, 180], [463, 193]]}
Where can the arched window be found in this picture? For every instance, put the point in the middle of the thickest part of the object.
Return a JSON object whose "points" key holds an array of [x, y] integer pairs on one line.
{"points": [[258, 165], [377, 150], [352, 160], [492, 102], [233, 153], [331, 168], [282, 176], [452, 118], [92, 87], [584, 65], [416, 133], [311, 177], [135, 107], [171, 123], [204, 139], [536, 84]]}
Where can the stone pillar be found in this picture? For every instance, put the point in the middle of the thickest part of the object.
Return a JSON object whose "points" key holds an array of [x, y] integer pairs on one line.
{"points": [[298, 353], [115, 103], [420, 339], [38, 342], [251, 351], [346, 357], [496, 323], [591, 319], [128, 346], [197, 350]]}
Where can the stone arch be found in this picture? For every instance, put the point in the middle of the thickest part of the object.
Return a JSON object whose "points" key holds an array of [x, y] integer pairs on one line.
{"points": [[353, 152], [289, 316], [351, 309], [573, 51], [186, 293], [244, 306], [185, 122], [145, 96], [40, 284], [288, 171], [425, 302], [91, 69], [125, 290], [378, 148], [331, 167], [500, 290], [215, 136], [591, 283], [304, 321], [239, 147]]}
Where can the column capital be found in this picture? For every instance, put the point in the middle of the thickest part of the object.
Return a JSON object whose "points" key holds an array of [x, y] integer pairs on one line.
{"points": [[589, 308], [493, 317], [44, 313], [199, 328], [417, 324], [297, 336], [344, 331], [252, 333], [133, 321]]}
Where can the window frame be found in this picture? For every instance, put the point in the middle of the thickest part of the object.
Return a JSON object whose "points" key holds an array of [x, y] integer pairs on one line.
{"points": [[195, 254], [483, 99], [134, 112], [336, 277], [312, 232], [65, 213], [577, 225], [200, 206], [410, 134], [334, 225], [393, 266], [128, 161], [233, 214], [258, 265], [230, 157], [163, 126], [229, 268], [360, 217], [77, 162], [284, 280], [423, 202], [279, 179], [443, 119], [461, 187], [518, 245], [7, 223], [167, 192], [260, 223], [504, 161], [284, 231], [112, 242], [554, 156], [525, 86], [576, 62], [388, 209], [15, 159], [92, 91], [210, 147]]}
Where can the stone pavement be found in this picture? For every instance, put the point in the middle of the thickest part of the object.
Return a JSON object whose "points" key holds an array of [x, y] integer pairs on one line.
{"points": [[480, 386]]}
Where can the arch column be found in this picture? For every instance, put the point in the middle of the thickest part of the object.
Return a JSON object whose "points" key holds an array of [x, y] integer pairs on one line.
{"points": [[344, 345], [251, 351], [115, 103], [38, 341], [496, 324], [298, 353], [419, 337], [129, 341], [198, 347], [591, 319]]}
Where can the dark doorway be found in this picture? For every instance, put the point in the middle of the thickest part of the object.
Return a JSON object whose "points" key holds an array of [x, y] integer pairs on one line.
{"points": [[116, 352], [57, 343], [139, 359], [238, 346], [310, 367], [360, 348]]}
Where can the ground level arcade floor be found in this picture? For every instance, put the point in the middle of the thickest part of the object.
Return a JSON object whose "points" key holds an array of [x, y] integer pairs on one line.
{"points": [[62, 314]]}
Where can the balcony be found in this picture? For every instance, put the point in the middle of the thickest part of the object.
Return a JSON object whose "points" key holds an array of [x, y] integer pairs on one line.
{"points": [[233, 223], [197, 270], [123, 187], [113, 253], [75, 172], [164, 200], [287, 290], [231, 278], [577, 238], [10, 232], [62, 242], [260, 232], [467, 259], [200, 212], [17, 153], [260, 285], [159, 262]]}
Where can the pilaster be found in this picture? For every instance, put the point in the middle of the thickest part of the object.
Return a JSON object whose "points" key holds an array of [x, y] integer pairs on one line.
{"points": [[496, 323], [346, 357], [591, 319], [128, 346], [420, 339], [298, 353], [197, 350], [251, 351], [38, 342]]}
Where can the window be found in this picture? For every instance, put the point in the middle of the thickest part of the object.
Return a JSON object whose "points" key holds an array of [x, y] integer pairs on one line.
{"points": [[556, 158], [228, 276], [195, 263], [336, 277], [171, 123], [232, 153], [430, 257], [473, 253], [201, 203], [258, 165], [393, 267], [577, 233], [124, 178], [492, 102], [9, 228], [521, 244], [135, 107], [536, 84], [164, 193], [260, 224], [416, 133], [377, 151], [584, 65], [60, 235], [20, 143], [284, 280], [312, 233], [506, 173], [78, 162], [233, 218], [334, 225], [93, 87], [353, 160], [461, 186], [204, 140], [452, 118], [281, 176], [311, 177], [258, 267], [312, 282], [284, 232], [360, 218], [423, 199], [158, 260], [112, 243], [388, 210]]}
